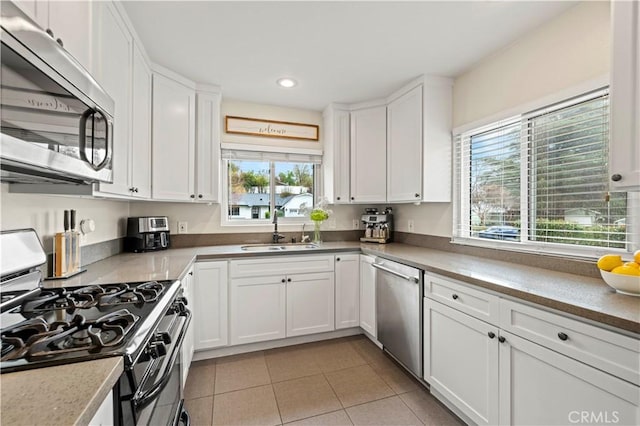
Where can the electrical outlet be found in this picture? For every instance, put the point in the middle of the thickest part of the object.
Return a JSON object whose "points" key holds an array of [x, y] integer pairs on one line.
{"points": [[410, 225], [182, 227], [356, 224]]}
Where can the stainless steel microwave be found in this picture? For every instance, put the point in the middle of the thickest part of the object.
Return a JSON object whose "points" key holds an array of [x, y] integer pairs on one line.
{"points": [[56, 121]]}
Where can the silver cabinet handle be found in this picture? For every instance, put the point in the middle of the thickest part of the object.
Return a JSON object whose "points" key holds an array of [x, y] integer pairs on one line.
{"points": [[397, 274]]}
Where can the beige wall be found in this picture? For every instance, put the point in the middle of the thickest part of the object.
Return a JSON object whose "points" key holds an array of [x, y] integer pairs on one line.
{"points": [[44, 213], [566, 52]]}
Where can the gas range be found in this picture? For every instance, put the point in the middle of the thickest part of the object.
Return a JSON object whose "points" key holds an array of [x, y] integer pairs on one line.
{"points": [[145, 323], [62, 325]]}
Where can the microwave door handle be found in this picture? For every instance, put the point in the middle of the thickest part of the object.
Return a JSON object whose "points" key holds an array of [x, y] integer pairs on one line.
{"points": [[91, 112], [141, 400]]}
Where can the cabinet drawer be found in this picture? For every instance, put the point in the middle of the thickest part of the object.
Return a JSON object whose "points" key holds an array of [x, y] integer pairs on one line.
{"points": [[606, 350], [459, 296], [263, 266]]}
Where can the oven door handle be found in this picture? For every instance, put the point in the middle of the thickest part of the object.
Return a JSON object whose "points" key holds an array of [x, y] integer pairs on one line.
{"points": [[143, 399]]}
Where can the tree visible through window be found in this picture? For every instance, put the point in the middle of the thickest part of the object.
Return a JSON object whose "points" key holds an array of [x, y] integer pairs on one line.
{"points": [[256, 188]]}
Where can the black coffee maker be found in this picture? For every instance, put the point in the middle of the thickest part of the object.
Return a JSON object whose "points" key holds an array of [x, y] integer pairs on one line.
{"points": [[147, 234]]}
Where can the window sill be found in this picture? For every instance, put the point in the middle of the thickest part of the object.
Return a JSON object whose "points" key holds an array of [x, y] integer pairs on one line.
{"points": [[544, 249]]}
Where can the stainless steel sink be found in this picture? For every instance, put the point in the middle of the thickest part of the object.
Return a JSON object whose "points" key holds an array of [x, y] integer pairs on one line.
{"points": [[279, 247]]}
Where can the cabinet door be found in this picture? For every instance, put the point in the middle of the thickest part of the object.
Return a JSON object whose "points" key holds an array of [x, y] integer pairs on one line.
{"points": [[347, 272], [188, 344], [104, 414], [70, 22], [38, 10], [369, 155], [258, 309], [310, 303], [112, 69], [404, 147], [210, 304], [624, 153], [461, 361], [541, 387], [336, 155], [141, 127], [208, 147], [368, 295], [173, 139]]}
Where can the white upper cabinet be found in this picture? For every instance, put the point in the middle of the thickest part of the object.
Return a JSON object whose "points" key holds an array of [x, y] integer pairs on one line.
{"points": [[112, 67], [173, 138], [69, 22], [624, 155], [207, 144], [404, 147], [398, 149], [140, 165], [369, 155], [336, 154]]}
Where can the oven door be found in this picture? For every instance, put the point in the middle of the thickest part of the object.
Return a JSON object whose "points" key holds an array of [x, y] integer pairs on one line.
{"points": [[158, 397]]}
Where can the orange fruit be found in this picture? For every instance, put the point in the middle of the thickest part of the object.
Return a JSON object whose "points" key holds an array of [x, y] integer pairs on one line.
{"points": [[609, 261]]}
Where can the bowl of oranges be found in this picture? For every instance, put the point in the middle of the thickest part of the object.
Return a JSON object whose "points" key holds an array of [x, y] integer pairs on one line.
{"points": [[624, 277]]}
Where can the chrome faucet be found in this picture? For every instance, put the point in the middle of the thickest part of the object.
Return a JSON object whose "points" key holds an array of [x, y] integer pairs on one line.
{"points": [[276, 237], [304, 238]]}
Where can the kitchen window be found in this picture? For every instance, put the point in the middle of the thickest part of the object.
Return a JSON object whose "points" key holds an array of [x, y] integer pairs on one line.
{"points": [[257, 184], [539, 182]]}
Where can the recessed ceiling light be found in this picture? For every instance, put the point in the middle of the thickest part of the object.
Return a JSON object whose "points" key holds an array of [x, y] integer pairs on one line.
{"points": [[287, 82]]}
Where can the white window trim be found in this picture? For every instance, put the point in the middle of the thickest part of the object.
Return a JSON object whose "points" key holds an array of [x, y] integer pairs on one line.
{"points": [[526, 246], [284, 221]]}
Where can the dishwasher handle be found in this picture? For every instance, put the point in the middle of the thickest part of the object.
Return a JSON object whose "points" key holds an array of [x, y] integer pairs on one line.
{"points": [[397, 274]]}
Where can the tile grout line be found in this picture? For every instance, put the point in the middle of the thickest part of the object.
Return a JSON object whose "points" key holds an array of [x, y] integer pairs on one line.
{"points": [[410, 409], [275, 397]]}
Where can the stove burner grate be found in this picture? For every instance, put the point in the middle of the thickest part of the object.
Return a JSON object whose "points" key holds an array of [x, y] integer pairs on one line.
{"points": [[35, 338]]}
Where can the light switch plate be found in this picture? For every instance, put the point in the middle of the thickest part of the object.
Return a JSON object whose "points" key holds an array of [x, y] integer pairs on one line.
{"points": [[410, 225], [356, 224]]}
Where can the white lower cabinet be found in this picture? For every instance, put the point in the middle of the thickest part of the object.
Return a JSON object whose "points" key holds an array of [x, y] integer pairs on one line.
{"points": [[258, 309], [210, 304], [104, 415], [368, 295], [310, 303], [541, 387], [188, 344], [461, 361], [555, 370], [284, 297], [347, 273]]}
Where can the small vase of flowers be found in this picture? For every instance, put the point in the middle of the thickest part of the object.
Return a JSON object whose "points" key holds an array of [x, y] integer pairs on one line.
{"points": [[319, 214]]}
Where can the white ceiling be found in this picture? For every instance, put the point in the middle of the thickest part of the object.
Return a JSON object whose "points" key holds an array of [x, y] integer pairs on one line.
{"points": [[338, 51]]}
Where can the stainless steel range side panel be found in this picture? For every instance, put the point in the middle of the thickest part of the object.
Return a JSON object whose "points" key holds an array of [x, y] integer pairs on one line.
{"points": [[399, 312]]}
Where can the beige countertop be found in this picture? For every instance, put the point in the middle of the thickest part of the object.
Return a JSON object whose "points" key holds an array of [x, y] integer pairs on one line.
{"points": [[78, 396], [71, 393], [586, 297]]}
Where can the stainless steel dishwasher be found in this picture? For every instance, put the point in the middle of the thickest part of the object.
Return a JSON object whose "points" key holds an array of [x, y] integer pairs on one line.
{"points": [[399, 312]]}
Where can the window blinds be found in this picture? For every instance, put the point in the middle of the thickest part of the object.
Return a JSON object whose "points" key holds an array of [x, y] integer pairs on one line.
{"points": [[235, 154], [542, 178]]}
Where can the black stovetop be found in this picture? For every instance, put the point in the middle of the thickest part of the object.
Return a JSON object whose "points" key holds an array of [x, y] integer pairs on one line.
{"points": [[62, 325]]}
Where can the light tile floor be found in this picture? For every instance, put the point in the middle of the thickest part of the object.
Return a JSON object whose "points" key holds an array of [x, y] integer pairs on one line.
{"points": [[345, 381]]}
